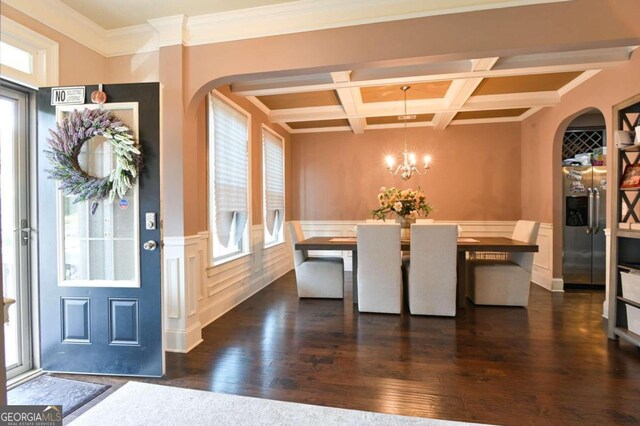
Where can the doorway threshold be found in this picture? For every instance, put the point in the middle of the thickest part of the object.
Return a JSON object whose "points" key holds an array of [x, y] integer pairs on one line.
{"points": [[24, 377]]}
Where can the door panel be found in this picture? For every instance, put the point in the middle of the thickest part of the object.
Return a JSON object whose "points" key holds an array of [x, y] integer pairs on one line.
{"points": [[577, 239], [14, 187], [101, 293]]}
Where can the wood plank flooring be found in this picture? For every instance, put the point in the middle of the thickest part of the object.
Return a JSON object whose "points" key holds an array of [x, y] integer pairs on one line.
{"points": [[548, 364]]}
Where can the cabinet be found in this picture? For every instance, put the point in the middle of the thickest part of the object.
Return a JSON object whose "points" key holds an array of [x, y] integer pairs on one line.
{"points": [[624, 302]]}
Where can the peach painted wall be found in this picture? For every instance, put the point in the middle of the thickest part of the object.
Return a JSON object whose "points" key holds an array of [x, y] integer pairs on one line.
{"points": [[142, 67], [541, 143], [602, 91], [258, 118], [529, 29], [475, 173], [78, 64]]}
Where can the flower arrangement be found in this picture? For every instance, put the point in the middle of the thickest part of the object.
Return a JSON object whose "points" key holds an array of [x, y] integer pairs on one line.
{"points": [[406, 203]]}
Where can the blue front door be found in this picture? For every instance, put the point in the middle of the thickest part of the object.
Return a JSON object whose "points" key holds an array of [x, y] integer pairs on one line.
{"points": [[100, 284]]}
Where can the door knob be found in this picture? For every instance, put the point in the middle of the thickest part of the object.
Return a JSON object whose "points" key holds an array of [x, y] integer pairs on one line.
{"points": [[150, 245]]}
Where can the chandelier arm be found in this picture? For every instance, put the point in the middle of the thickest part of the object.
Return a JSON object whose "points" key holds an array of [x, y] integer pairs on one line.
{"points": [[398, 169], [408, 166], [417, 171]]}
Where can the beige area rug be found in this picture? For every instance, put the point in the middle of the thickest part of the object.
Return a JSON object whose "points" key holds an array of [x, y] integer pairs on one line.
{"points": [[144, 404]]}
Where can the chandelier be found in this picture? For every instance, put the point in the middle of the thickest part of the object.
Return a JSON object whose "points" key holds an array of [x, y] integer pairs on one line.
{"points": [[408, 166]]}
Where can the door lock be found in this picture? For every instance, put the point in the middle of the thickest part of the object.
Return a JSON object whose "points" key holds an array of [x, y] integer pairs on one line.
{"points": [[150, 245], [24, 232], [150, 221]]}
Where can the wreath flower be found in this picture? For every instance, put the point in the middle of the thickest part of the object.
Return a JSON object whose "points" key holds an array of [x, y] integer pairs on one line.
{"points": [[65, 144]]}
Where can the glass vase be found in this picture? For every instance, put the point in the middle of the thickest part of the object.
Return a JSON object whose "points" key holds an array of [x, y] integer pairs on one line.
{"points": [[405, 226]]}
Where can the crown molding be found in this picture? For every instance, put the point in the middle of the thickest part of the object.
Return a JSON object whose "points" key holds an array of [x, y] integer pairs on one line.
{"points": [[311, 15], [171, 30], [131, 40], [65, 20], [277, 19]]}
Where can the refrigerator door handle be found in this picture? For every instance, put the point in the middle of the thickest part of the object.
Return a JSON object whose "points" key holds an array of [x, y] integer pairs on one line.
{"points": [[597, 196], [590, 211]]}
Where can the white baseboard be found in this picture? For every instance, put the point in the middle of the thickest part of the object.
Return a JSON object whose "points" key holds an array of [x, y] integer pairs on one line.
{"points": [[541, 279], [183, 341], [557, 284]]}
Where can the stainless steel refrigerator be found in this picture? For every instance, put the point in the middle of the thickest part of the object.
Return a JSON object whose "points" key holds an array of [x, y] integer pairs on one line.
{"points": [[585, 196]]}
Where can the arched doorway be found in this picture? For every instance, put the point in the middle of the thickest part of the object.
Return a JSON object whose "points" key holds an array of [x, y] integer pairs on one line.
{"points": [[583, 200]]}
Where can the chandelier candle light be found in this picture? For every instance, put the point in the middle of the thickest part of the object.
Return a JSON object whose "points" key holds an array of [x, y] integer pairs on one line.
{"points": [[408, 166]]}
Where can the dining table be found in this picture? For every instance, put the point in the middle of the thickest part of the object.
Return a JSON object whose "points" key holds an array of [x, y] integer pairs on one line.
{"points": [[465, 245]]}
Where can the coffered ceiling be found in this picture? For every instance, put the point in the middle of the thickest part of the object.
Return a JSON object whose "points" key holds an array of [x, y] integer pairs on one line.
{"points": [[483, 90]]}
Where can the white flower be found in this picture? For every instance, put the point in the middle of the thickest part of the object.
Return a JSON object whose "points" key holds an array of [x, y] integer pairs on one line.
{"points": [[397, 206], [383, 188], [414, 214]]}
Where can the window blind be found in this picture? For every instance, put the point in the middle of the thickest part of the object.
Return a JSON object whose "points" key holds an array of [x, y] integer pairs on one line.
{"points": [[273, 166], [230, 171]]}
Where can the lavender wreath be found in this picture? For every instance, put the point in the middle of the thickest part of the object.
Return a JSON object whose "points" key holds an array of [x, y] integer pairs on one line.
{"points": [[65, 144]]}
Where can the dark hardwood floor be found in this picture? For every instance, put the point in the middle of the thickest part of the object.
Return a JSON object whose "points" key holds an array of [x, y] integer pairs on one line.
{"points": [[548, 364]]}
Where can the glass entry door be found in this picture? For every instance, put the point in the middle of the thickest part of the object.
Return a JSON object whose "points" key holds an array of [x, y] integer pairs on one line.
{"points": [[14, 193]]}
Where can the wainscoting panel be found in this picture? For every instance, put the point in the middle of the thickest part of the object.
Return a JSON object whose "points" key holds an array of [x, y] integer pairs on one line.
{"points": [[196, 294], [543, 260], [180, 291]]}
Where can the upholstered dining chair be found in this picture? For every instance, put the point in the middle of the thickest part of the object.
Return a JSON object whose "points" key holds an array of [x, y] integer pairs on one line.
{"points": [[424, 221], [379, 268], [431, 270], [504, 282], [321, 277]]}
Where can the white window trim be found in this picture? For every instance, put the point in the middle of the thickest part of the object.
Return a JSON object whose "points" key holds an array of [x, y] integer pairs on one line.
{"points": [[62, 281], [284, 183], [246, 240], [43, 50]]}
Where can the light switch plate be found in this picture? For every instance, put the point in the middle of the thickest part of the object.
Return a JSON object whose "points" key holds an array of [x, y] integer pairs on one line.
{"points": [[150, 221]]}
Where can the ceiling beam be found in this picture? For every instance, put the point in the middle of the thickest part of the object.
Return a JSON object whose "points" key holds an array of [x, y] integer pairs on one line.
{"points": [[262, 107], [510, 66], [350, 98], [425, 106], [460, 91]]}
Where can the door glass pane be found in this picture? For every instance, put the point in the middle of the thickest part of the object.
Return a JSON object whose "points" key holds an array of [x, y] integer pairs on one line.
{"points": [[123, 221], [10, 225], [124, 260], [100, 242], [99, 259], [75, 267]]}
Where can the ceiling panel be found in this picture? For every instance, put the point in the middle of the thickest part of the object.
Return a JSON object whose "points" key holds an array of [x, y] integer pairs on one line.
{"points": [[341, 122], [393, 119], [431, 90], [524, 83], [300, 100], [494, 113]]}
